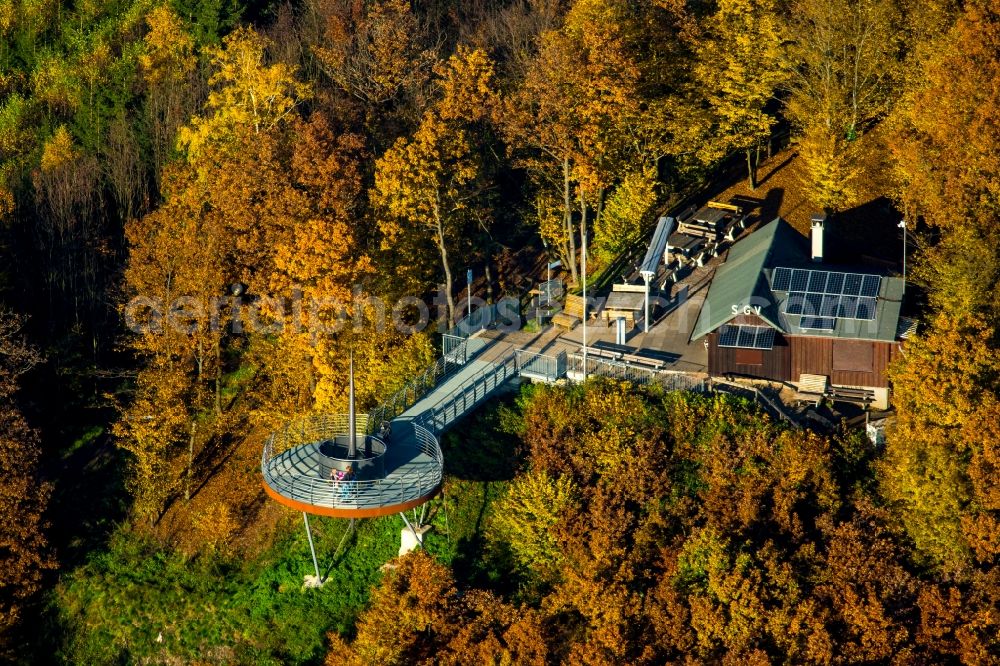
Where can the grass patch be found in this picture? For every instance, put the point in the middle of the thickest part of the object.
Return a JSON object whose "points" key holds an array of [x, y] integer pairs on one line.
{"points": [[89, 435], [136, 602]]}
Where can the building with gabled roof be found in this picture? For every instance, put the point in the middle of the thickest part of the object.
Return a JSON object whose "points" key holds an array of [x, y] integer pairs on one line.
{"points": [[776, 311]]}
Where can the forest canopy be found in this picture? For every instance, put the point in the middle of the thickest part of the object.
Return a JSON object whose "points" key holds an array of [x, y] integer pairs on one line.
{"points": [[205, 206]]}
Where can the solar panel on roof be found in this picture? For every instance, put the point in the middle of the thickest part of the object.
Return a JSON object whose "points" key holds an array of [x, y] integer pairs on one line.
{"points": [[830, 306], [800, 280], [866, 308], [814, 304], [822, 297], [870, 285], [728, 336], [818, 323], [848, 307], [852, 284], [795, 302], [746, 337], [765, 337], [780, 279], [817, 281]]}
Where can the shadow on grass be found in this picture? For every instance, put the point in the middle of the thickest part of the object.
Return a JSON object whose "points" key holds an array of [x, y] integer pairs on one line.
{"points": [[483, 446]]}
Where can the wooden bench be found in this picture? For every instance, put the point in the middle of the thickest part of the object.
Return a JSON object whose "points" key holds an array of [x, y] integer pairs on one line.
{"points": [[601, 353], [654, 363], [732, 208], [858, 396], [572, 312], [811, 388], [698, 228]]}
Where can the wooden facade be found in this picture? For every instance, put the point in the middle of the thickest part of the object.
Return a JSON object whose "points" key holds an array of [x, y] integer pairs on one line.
{"points": [[860, 363]]}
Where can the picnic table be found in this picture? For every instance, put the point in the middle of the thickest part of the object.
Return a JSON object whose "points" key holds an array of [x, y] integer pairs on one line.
{"points": [[623, 305], [685, 244]]}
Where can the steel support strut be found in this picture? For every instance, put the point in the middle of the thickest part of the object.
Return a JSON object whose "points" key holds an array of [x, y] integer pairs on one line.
{"points": [[312, 548], [416, 535]]}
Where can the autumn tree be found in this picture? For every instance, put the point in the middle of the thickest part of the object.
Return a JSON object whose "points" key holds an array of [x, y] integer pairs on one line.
{"points": [[169, 68], [412, 614], [945, 381], [379, 53], [844, 57], [596, 104], [525, 519], [215, 228], [739, 69], [430, 186], [626, 215], [24, 552], [417, 616]]}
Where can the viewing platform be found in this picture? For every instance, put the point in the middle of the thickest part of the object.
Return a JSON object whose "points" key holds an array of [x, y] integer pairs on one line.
{"points": [[389, 474]]}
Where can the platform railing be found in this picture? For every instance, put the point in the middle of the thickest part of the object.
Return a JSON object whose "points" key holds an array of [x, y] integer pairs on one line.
{"points": [[316, 429], [542, 366], [417, 481]]}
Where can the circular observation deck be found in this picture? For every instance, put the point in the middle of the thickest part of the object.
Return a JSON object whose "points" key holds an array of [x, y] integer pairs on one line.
{"points": [[387, 477]]}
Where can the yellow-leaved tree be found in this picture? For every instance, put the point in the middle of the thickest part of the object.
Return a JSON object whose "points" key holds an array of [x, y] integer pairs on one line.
{"points": [[844, 60], [428, 187], [943, 449], [739, 67], [246, 93]]}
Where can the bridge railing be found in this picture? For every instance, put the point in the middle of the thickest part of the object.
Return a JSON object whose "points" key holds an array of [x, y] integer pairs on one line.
{"points": [[473, 391], [417, 388], [396, 488]]}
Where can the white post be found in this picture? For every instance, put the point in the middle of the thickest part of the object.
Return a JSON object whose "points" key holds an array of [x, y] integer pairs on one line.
{"points": [[902, 223], [352, 424], [584, 298]]}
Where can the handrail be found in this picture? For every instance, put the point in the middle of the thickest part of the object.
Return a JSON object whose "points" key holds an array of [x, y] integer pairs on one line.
{"points": [[413, 390], [507, 366], [483, 318], [623, 370]]}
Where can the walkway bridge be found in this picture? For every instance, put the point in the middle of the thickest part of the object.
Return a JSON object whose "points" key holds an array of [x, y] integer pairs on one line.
{"points": [[297, 461]]}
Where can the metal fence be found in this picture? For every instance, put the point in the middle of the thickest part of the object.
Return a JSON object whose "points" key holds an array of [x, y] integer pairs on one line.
{"points": [[630, 372], [541, 366], [480, 319], [455, 348]]}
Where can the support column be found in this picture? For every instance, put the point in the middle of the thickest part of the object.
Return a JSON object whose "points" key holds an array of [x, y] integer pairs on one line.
{"points": [[411, 537], [312, 549], [645, 322]]}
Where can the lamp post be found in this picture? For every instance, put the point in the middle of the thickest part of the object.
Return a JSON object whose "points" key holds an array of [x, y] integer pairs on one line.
{"points": [[468, 280], [584, 269], [902, 223]]}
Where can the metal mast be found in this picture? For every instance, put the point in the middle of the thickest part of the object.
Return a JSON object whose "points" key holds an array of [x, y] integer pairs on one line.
{"points": [[352, 430]]}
